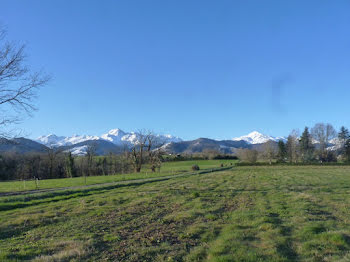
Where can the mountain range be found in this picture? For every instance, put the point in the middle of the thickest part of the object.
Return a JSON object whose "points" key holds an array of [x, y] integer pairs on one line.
{"points": [[116, 140], [115, 136]]}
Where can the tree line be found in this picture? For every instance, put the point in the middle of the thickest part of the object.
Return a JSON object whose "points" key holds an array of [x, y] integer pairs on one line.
{"points": [[145, 152], [320, 144], [59, 165]]}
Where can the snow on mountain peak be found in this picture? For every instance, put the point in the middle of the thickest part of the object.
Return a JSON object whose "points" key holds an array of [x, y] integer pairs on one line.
{"points": [[171, 138], [116, 132], [257, 138], [50, 140], [56, 141], [115, 136]]}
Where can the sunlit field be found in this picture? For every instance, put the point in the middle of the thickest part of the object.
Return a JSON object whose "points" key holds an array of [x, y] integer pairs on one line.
{"points": [[167, 169], [241, 214]]}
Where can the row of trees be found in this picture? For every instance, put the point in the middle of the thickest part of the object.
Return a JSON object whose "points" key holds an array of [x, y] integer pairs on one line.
{"points": [[147, 150], [321, 143], [60, 165]]}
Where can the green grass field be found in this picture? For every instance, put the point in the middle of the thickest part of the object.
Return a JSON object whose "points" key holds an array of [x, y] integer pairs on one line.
{"points": [[168, 168], [277, 213]]}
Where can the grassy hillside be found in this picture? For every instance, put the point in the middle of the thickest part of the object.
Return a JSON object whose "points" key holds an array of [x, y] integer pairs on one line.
{"points": [[243, 214]]}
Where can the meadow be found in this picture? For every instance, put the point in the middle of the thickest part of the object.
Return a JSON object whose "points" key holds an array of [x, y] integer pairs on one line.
{"points": [[261, 213], [167, 169]]}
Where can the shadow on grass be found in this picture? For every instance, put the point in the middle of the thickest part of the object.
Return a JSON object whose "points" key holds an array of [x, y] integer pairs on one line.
{"points": [[65, 195], [27, 201], [285, 248], [11, 231]]}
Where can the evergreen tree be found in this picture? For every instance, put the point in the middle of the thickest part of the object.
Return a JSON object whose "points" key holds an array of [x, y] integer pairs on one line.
{"points": [[347, 150], [343, 137], [282, 151], [343, 134], [104, 166], [306, 146], [69, 165]]}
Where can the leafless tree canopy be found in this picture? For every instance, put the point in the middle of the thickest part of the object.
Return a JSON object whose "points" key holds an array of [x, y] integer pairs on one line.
{"points": [[248, 155], [292, 146], [147, 147], [18, 84], [269, 151], [323, 133]]}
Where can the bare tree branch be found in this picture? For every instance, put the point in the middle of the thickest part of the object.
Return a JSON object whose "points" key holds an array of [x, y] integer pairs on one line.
{"points": [[18, 84]]}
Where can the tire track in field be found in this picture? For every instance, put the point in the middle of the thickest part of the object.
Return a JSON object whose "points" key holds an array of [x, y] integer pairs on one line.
{"points": [[64, 194], [124, 182]]}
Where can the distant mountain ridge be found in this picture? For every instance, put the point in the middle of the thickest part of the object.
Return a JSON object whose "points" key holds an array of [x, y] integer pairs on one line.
{"points": [[253, 140], [201, 144], [21, 146], [116, 140], [57, 141], [101, 147], [115, 136], [112, 141]]}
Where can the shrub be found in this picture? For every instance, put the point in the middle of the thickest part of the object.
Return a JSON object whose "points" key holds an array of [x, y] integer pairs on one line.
{"points": [[195, 194], [195, 167]]}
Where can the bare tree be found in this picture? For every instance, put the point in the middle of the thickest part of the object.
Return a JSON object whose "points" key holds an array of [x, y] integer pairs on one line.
{"points": [[146, 147], [248, 155], [154, 151], [18, 84], [269, 151], [138, 149], [323, 133], [210, 153], [292, 146]]}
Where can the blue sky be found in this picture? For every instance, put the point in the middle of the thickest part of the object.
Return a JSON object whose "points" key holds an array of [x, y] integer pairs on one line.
{"points": [[215, 69]]}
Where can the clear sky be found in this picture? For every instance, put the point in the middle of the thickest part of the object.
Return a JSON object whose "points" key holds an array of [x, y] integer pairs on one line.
{"points": [[215, 69]]}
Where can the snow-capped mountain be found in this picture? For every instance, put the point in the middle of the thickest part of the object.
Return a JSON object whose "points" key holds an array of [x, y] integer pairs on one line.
{"points": [[116, 141], [115, 136], [56, 141], [119, 137], [50, 139], [257, 138]]}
